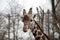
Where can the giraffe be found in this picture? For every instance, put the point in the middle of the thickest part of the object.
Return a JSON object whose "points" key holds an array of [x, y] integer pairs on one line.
{"points": [[36, 29]]}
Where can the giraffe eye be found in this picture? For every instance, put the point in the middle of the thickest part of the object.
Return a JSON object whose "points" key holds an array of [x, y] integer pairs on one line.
{"points": [[31, 20]]}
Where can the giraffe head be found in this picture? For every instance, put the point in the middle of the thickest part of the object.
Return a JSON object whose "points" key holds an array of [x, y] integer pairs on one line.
{"points": [[26, 19]]}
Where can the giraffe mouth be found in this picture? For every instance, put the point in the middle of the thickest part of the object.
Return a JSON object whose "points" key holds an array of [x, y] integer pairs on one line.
{"points": [[25, 28]]}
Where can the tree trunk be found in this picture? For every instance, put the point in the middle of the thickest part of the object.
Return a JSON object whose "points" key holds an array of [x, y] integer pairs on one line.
{"points": [[54, 17], [9, 28], [42, 19], [48, 25]]}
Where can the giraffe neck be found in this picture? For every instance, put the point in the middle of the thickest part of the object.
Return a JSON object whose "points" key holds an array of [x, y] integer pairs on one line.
{"points": [[38, 33]]}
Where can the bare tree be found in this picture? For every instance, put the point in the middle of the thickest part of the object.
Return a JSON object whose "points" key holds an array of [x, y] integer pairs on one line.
{"points": [[42, 16], [15, 9], [54, 15]]}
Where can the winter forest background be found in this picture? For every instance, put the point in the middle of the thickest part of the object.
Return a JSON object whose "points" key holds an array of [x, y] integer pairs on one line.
{"points": [[45, 12]]}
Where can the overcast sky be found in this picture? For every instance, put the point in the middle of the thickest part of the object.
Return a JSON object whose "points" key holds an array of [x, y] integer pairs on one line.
{"points": [[45, 4]]}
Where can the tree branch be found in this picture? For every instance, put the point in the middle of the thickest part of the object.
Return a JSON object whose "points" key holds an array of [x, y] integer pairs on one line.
{"points": [[57, 3]]}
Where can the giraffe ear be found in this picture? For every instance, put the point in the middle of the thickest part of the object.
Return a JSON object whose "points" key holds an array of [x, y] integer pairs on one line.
{"points": [[30, 13], [24, 12]]}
